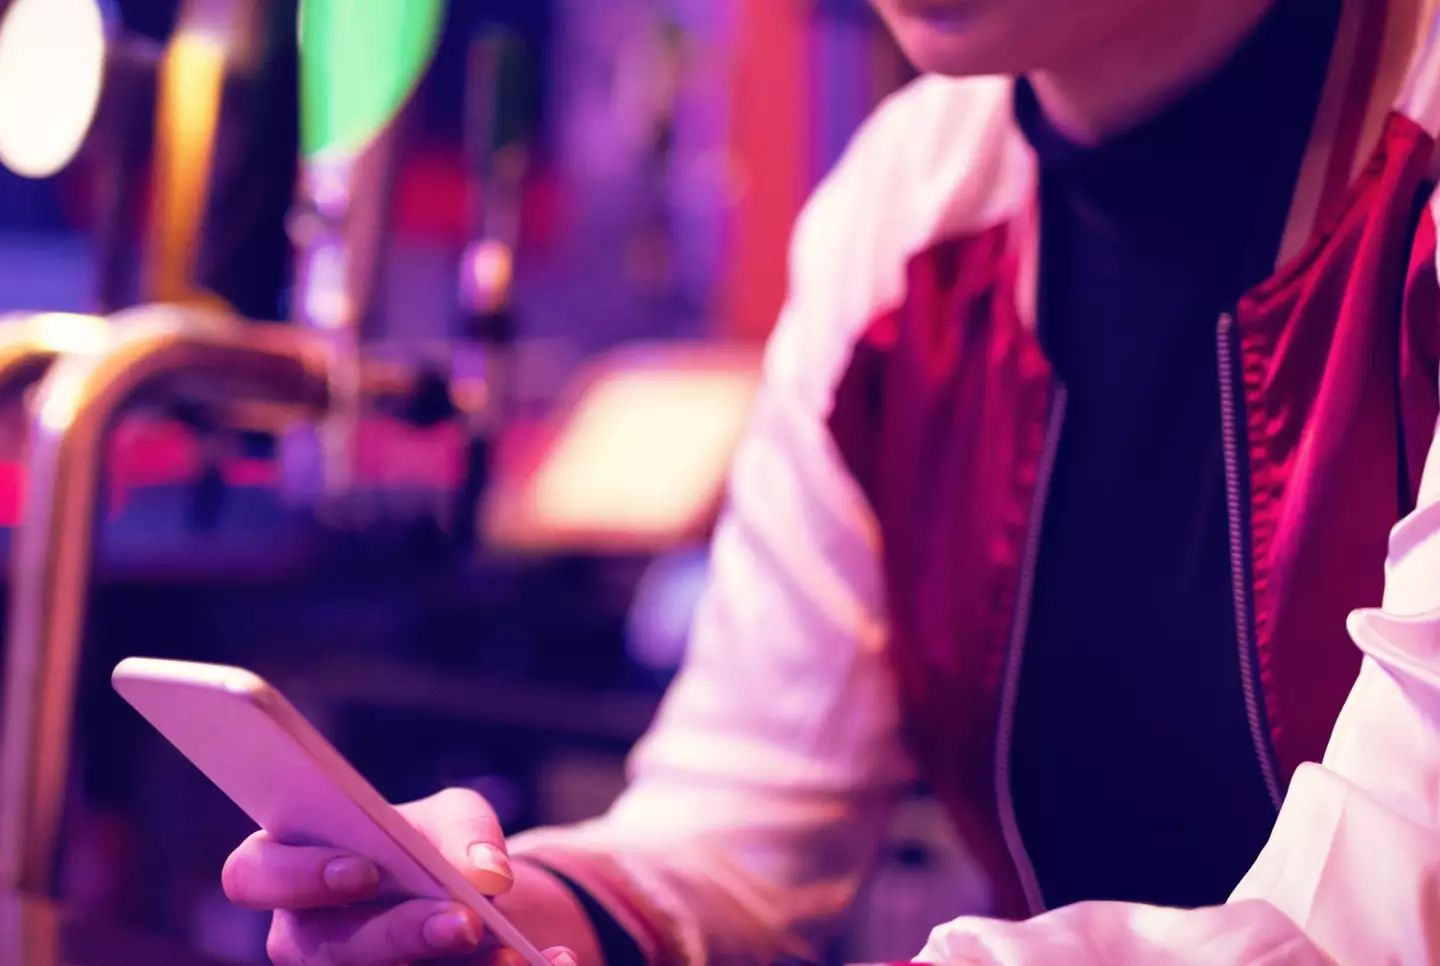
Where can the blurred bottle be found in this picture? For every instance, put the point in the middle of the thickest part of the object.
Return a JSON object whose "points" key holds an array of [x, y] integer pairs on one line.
{"points": [[638, 112]]}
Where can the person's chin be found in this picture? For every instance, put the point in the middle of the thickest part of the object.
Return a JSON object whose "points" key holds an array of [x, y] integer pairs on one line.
{"points": [[955, 50]]}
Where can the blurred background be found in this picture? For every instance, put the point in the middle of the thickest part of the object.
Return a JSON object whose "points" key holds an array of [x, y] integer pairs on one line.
{"points": [[545, 239]]}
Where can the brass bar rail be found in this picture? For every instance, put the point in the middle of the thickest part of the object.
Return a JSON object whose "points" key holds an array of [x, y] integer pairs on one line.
{"points": [[77, 405]]}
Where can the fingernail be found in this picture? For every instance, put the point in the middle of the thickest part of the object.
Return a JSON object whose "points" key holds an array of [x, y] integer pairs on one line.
{"points": [[487, 858], [351, 875], [563, 957], [450, 931]]}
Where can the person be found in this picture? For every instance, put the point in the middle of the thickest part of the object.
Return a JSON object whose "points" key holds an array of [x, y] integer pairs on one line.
{"points": [[1108, 367]]}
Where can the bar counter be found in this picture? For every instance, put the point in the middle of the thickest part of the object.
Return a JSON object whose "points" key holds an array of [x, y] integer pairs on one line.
{"points": [[34, 933]]}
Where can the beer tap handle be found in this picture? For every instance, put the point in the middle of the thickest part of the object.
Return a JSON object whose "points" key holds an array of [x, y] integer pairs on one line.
{"points": [[498, 129]]}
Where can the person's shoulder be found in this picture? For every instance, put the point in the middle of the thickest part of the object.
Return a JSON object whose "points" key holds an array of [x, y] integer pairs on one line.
{"points": [[940, 158], [941, 150], [934, 118]]}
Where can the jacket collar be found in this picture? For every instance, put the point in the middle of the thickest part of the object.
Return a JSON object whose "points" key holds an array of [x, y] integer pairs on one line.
{"points": [[1385, 60]]}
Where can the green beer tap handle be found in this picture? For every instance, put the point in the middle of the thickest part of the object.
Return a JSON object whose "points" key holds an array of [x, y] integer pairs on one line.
{"points": [[359, 62]]}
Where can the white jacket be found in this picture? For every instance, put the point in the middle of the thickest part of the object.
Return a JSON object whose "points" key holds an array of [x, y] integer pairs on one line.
{"points": [[764, 786]]}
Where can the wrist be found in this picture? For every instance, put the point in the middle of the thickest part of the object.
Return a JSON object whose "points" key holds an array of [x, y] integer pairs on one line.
{"points": [[548, 914]]}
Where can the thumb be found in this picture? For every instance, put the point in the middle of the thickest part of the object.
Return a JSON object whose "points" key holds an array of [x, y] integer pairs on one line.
{"points": [[463, 826], [560, 956]]}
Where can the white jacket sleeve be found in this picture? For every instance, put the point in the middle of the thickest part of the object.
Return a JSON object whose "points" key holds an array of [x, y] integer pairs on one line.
{"points": [[1351, 874], [763, 788]]}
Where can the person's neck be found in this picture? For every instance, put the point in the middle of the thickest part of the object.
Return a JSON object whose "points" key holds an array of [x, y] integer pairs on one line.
{"points": [[1144, 69]]}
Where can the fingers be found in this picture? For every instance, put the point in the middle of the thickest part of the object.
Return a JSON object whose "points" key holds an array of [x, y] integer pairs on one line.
{"points": [[556, 956], [314, 892], [560, 956], [370, 936], [465, 830], [262, 874], [417, 930]]}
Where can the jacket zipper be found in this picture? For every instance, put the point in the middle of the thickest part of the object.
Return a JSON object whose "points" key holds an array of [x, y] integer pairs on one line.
{"points": [[1236, 503], [1005, 800]]}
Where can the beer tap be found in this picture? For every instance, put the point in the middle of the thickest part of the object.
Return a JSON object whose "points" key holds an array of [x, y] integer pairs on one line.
{"points": [[198, 353], [359, 63], [497, 133]]}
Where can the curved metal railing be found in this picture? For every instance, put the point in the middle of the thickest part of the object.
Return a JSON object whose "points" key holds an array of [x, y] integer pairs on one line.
{"points": [[73, 413]]}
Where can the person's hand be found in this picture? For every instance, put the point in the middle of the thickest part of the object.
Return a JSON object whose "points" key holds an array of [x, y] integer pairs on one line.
{"points": [[330, 908]]}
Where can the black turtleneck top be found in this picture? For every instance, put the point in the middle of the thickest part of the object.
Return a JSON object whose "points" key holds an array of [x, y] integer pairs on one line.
{"points": [[1135, 773]]}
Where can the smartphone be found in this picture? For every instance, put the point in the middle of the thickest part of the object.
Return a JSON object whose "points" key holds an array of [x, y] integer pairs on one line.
{"points": [[261, 752]]}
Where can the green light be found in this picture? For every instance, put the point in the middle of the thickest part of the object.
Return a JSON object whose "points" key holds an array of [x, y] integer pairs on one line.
{"points": [[359, 61]]}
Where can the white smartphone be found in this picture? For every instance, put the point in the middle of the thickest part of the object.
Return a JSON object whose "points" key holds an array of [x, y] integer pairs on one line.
{"points": [[261, 752]]}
